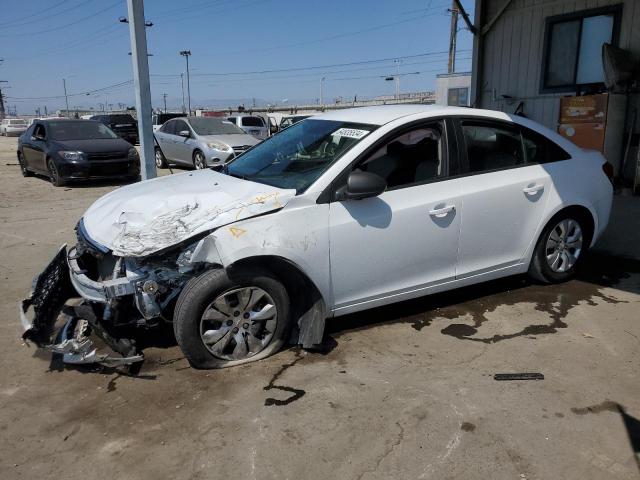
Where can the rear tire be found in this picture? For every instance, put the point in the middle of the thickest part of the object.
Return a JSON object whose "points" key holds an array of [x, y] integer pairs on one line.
{"points": [[235, 332], [54, 175], [161, 161], [560, 248]]}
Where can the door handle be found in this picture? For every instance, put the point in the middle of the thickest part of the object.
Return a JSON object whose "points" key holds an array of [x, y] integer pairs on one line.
{"points": [[533, 189], [442, 212]]}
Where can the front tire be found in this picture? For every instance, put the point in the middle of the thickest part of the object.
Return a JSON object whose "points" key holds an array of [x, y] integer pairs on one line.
{"points": [[23, 168], [560, 248], [199, 162], [222, 320], [54, 174]]}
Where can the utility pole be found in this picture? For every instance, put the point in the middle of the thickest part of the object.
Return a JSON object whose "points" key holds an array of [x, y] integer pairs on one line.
{"points": [[2, 101], [182, 83], [322, 92], [397, 62], [66, 99], [164, 98], [142, 85], [186, 54], [452, 37]]}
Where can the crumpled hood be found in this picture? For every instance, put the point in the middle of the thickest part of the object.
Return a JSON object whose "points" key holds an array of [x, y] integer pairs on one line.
{"points": [[143, 218]]}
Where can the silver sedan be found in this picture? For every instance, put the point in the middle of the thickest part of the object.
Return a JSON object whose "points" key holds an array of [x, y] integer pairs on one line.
{"points": [[200, 142]]}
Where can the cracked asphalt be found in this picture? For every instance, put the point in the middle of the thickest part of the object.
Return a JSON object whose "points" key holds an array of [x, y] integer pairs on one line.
{"points": [[405, 391]]}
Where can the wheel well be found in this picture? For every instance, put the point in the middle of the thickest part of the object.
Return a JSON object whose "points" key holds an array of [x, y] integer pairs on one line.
{"points": [[308, 305], [581, 213]]}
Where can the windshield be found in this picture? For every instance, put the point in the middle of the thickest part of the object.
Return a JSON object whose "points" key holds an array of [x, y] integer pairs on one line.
{"points": [[213, 126], [79, 130], [252, 122], [297, 156]]}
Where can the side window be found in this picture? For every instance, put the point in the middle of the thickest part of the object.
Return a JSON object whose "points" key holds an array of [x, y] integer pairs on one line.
{"points": [[539, 149], [168, 127], [39, 132], [232, 120], [412, 157], [492, 147], [180, 126]]}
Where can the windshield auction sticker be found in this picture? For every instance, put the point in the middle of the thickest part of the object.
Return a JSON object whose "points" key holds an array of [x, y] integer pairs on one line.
{"points": [[351, 133]]}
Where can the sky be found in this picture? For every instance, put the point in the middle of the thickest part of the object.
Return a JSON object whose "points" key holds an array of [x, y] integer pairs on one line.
{"points": [[273, 51]]}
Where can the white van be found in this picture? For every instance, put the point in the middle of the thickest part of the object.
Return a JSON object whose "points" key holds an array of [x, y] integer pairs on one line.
{"points": [[251, 124]]}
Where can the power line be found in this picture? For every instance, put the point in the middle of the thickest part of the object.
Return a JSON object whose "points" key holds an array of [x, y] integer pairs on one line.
{"points": [[88, 92], [321, 67], [37, 14], [40, 32], [341, 35]]}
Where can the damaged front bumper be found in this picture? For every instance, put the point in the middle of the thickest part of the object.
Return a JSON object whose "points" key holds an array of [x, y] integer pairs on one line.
{"points": [[64, 278]]}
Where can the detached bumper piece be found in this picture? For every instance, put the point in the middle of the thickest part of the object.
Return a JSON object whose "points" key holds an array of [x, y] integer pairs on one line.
{"points": [[51, 290]]}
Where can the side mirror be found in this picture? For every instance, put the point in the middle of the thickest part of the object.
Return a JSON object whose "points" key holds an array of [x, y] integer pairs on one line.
{"points": [[37, 138], [184, 133], [362, 185]]}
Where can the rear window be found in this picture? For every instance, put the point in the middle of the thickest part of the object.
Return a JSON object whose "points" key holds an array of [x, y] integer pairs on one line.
{"points": [[120, 119], [17, 122], [252, 122]]}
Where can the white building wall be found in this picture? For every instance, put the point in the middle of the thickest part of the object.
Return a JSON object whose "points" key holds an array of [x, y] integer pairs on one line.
{"points": [[455, 80]]}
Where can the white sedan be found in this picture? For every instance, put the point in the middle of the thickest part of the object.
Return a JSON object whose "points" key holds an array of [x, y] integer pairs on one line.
{"points": [[345, 211], [13, 126]]}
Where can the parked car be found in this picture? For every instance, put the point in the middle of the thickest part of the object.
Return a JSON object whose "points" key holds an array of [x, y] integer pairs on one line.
{"points": [[12, 126], [66, 150], [158, 119], [124, 125], [200, 142], [347, 211], [251, 124], [291, 119]]}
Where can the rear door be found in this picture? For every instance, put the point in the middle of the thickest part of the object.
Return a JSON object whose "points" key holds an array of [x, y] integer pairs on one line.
{"points": [[34, 149], [504, 193], [166, 139]]}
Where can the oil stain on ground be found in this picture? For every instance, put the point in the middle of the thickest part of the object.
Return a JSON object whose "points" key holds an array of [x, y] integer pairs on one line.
{"points": [[597, 272], [296, 393]]}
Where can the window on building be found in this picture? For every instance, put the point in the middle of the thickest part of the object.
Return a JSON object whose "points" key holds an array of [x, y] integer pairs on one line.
{"points": [[458, 97], [573, 48]]}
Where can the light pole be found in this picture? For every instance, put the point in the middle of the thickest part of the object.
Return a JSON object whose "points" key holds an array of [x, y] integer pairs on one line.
{"points": [[186, 54], [322, 91], [182, 84], [142, 85]]}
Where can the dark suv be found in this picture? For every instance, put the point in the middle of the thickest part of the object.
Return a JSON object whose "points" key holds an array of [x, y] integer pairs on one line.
{"points": [[124, 125]]}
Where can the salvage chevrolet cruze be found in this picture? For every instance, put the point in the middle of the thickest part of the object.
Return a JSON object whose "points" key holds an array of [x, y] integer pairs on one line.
{"points": [[341, 212]]}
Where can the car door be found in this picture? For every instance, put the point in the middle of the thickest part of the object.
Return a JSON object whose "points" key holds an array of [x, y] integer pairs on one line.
{"points": [[405, 241], [34, 149], [184, 146], [166, 141], [503, 196]]}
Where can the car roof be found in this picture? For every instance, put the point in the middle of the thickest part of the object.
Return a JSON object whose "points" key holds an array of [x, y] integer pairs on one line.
{"points": [[381, 114]]}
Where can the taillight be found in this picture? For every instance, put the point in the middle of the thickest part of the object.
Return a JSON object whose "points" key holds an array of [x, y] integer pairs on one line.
{"points": [[607, 168]]}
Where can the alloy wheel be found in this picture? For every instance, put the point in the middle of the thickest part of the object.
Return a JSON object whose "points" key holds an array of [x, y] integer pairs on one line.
{"points": [[53, 172], [239, 323], [198, 161], [159, 160], [564, 245]]}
